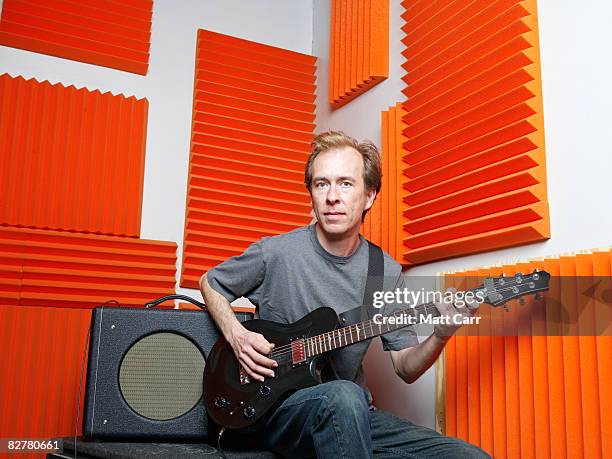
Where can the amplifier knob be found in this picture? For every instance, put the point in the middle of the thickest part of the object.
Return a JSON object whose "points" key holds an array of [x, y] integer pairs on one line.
{"points": [[264, 391], [248, 412]]}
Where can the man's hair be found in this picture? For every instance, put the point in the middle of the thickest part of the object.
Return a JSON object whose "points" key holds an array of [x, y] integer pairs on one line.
{"points": [[332, 140]]}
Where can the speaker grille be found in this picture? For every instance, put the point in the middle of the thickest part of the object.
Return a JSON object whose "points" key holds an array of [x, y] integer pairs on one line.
{"points": [[161, 376]]}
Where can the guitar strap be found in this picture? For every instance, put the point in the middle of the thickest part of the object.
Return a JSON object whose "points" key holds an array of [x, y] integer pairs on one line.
{"points": [[376, 269], [374, 282]]}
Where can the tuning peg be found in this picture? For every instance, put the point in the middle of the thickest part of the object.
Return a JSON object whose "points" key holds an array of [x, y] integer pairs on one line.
{"points": [[537, 297], [505, 306], [522, 301]]}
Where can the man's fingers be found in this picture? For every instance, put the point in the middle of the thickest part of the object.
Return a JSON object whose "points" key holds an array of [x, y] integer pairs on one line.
{"points": [[251, 350], [255, 371], [261, 344], [445, 308], [473, 304], [247, 363], [262, 361]]}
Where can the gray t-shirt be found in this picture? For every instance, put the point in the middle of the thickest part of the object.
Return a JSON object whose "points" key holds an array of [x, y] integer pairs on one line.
{"points": [[290, 275]]}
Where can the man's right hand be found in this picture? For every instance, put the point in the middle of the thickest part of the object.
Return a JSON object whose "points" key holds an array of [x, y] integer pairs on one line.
{"points": [[252, 351]]}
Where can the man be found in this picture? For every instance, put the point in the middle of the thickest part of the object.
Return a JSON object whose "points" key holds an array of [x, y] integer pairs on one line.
{"points": [[325, 264]]}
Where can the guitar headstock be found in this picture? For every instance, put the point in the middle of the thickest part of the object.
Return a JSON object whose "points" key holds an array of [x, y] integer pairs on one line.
{"points": [[497, 290]]}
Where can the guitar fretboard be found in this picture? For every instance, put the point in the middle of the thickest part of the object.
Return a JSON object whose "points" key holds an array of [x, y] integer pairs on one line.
{"points": [[355, 333]]}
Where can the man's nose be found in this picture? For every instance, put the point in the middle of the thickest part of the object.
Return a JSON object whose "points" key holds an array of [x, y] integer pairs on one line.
{"points": [[332, 194]]}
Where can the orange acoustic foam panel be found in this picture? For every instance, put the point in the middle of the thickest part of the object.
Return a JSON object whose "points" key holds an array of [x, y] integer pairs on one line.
{"points": [[359, 48], [40, 367], [533, 392], [72, 159], [474, 150], [110, 33], [253, 114], [382, 224], [53, 268]]}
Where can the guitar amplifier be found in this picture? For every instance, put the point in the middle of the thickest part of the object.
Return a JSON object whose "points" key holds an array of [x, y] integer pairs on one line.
{"points": [[144, 374]]}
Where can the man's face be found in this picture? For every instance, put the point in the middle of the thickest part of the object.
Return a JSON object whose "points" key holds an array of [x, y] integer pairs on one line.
{"points": [[338, 192]]}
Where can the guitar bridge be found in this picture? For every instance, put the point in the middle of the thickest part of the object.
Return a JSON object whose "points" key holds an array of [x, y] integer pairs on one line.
{"points": [[298, 352], [244, 376]]}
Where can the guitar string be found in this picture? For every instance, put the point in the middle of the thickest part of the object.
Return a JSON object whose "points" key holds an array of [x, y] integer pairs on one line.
{"points": [[287, 349], [324, 342]]}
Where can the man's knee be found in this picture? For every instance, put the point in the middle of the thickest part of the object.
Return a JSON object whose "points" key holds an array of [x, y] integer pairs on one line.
{"points": [[345, 397], [467, 450]]}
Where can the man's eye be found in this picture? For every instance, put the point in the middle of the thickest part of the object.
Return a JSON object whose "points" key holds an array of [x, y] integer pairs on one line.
{"points": [[346, 184], [320, 185]]}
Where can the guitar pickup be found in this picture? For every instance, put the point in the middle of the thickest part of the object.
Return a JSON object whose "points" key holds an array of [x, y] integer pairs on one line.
{"points": [[298, 352]]}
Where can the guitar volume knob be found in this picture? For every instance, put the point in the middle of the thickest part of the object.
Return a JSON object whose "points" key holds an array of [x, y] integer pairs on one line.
{"points": [[248, 412], [221, 402], [265, 391]]}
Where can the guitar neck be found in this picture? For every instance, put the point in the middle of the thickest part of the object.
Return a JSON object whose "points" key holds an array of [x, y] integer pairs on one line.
{"points": [[352, 334]]}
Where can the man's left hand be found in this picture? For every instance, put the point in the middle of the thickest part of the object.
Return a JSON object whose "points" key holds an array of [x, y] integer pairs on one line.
{"points": [[454, 312]]}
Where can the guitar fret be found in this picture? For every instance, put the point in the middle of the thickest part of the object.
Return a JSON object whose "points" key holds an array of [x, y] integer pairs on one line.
{"points": [[331, 340]]}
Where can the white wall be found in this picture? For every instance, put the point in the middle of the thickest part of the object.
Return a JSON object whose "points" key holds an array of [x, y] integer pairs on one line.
{"points": [[168, 86], [574, 43]]}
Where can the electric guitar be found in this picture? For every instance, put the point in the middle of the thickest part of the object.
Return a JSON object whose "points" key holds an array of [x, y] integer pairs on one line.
{"points": [[235, 401]]}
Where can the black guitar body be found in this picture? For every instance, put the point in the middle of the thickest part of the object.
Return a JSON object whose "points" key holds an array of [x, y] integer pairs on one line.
{"points": [[236, 403]]}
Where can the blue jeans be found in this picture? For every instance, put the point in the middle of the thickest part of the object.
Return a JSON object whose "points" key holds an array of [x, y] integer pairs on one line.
{"points": [[333, 420]]}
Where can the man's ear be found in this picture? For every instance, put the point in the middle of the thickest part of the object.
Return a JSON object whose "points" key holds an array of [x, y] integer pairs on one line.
{"points": [[370, 200]]}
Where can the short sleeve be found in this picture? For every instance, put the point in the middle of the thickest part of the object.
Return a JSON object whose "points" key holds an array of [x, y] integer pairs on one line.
{"points": [[403, 338], [239, 276]]}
